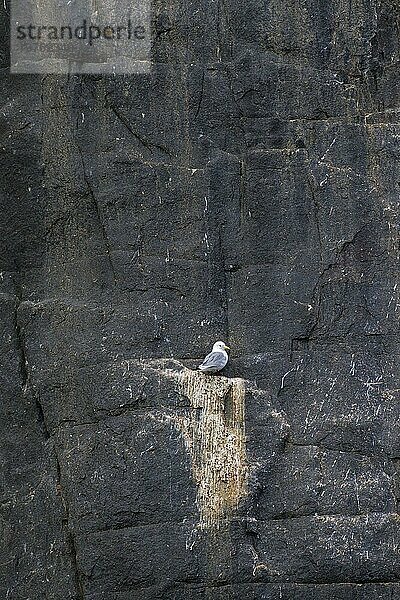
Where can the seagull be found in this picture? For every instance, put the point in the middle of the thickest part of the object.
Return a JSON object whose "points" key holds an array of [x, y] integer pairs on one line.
{"points": [[216, 360]]}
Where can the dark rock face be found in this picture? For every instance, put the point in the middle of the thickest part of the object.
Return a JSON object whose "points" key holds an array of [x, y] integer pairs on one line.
{"points": [[246, 190]]}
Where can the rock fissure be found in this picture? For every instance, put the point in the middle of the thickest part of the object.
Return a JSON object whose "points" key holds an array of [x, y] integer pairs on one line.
{"points": [[69, 535]]}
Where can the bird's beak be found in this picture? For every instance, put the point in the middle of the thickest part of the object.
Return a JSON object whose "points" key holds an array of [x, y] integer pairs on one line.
{"points": [[227, 348]]}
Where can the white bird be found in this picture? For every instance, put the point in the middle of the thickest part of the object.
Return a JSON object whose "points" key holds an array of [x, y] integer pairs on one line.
{"points": [[216, 360]]}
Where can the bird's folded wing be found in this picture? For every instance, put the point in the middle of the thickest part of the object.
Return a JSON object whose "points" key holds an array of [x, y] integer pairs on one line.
{"points": [[214, 359]]}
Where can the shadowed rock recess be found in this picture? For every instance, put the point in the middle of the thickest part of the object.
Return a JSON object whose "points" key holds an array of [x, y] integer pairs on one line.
{"points": [[246, 190]]}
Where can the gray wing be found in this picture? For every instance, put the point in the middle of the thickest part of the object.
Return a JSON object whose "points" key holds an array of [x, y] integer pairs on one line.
{"points": [[214, 360]]}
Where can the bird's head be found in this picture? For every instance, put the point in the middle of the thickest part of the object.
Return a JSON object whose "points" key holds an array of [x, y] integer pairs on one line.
{"points": [[220, 347]]}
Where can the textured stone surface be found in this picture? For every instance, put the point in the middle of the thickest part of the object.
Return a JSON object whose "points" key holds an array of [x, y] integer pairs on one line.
{"points": [[246, 190]]}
